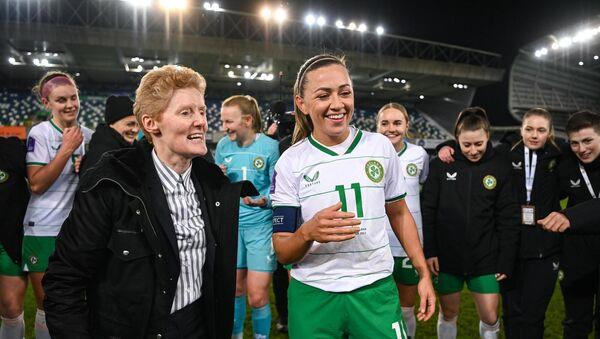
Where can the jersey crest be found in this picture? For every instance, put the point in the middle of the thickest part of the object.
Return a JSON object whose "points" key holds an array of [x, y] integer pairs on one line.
{"points": [[489, 182], [374, 171], [412, 170]]}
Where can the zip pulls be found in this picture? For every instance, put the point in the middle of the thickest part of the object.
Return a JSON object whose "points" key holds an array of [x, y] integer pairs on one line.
{"points": [[129, 194]]}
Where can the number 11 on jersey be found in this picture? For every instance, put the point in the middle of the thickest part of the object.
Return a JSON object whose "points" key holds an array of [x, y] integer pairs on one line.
{"points": [[357, 196]]}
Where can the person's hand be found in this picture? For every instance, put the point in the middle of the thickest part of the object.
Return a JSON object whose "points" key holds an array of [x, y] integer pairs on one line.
{"points": [[77, 163], [446, 154], [555, 222], [434, 265], [72, 139], [272, 130], [427, 296], [259, 202], [223, 169], [500, 276], [331, 225]]}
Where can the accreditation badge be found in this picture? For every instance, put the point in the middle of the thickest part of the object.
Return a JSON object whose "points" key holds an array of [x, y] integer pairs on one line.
{"points": [[528, 215]]}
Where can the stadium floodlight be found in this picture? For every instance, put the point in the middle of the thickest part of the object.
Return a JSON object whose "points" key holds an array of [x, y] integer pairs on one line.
{"points": [[12, 61], [584, 35], [265, 13], [396, 80], [155, 67], [339, 24], [379, 30], [246, 66], [238, 84], [247, 75], [580, 63], [28, 53], [173, 4], [207, 6], [455, 85], [351, 26], [36, 61], [465, 86], [544, 51], [555, 45], [595, 57], [362, 28], [270, 77], [226, 66], [421, 97], [538, 54], [460, 86], [281, 15], [403, 81], [565, 42], [77, 74], [321, 21], [309, 19], [55, 54], [238, 66], [230, 74], [138, 3]]}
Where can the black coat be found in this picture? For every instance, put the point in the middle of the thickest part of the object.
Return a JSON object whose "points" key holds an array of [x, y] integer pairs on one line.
{"points": [[473, 230], [584, 218], [545, 196], [104, 139], [14, 196], [581, 253], [115, 267]]}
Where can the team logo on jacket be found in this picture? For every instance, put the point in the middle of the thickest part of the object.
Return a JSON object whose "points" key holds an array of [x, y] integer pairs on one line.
{"points": [[374, 171], [575, 183], [412, 169], [258, 163], [489, 182], [517, 165], [451, 176], [3, 176]]}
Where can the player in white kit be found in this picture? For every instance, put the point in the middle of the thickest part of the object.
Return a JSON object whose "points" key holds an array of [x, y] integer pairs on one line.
{"points": [[393, 122]]}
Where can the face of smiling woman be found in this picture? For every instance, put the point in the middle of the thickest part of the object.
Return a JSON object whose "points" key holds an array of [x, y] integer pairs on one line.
{"points": [[328, 99], [63, 104], [179, 133]]}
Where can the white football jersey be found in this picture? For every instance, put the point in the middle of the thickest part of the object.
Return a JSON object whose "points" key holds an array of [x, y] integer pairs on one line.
{"points": [[46, 212], [414, 165], [363, 173]]}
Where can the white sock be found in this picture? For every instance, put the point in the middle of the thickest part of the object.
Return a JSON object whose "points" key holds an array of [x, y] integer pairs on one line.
{"points": [[408, 314], [446, 329], [41, 330], [489, 331], [13, 328]]}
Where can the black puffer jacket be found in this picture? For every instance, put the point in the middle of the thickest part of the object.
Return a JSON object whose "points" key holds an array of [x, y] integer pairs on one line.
{"points": [[104, 139], [470, 215], [115, 268]]}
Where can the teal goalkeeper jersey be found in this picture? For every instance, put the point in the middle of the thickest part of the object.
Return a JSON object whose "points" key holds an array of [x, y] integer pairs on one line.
{"points": [[254, 163]]}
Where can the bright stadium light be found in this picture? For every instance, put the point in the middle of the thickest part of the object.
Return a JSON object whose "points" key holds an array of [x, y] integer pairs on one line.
{"points": [[247, 75], [226, 66], [565, 42], [421, 97], [362, 28], [455, 85], [173, 4], [138, 3], [555, 45], [465, 86], [281, 15], [351, 26], [379, 30], [270, 77], [595, 57], [403, 81], [396, 80], [36, 62], [544, 51], [309, 19], [12, 61], [207, 6], [321, 21], [231, 74], [238, 84], [265, 13], [584, 35], [339, 24], [581, 63], [538, 53]]}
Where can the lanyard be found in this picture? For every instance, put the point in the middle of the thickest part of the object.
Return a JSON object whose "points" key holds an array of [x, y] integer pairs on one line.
{"points": [[529, 172], [587, 181]]}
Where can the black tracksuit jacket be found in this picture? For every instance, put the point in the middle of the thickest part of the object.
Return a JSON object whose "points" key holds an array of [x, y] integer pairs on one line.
{"points": [[470, 215]]}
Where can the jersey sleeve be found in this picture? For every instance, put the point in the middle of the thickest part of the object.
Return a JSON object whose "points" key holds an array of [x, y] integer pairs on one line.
{"points": [[395, 186], [37, 149], [425, 170], [284, 191], [218, 153]]}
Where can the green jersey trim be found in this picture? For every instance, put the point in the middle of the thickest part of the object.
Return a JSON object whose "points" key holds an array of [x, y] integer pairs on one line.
{"points": [[36, 164], [326, 150], [55, 126], [394, 199], [404, 147]]}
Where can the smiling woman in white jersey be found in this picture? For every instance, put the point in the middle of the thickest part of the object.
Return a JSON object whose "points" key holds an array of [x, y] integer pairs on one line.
{"points": [[54, 150], [332, 191], [393, 122]]}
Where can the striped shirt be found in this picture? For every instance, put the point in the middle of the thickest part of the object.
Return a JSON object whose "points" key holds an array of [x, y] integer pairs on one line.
{"points": [[184, 207]]}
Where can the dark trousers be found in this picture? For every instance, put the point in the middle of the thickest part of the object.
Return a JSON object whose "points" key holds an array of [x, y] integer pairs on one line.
{"points": [[526, 295], [281, 281], [580, 297], [186, 323]]}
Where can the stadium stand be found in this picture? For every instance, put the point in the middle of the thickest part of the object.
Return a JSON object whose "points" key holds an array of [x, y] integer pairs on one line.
{"points": [[18, 106]]}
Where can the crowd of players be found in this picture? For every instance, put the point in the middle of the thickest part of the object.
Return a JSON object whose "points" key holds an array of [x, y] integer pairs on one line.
{"points": [[366, 226]]}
